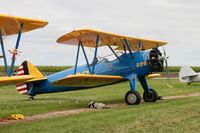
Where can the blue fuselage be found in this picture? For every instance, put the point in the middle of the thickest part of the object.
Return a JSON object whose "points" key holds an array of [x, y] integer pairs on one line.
{"points": [[127, 64]]}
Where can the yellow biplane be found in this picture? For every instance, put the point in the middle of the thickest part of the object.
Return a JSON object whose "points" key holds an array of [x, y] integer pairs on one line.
{"points": [[138, 59]]}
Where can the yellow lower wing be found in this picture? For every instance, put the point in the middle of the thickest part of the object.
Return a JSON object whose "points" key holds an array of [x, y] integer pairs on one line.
{"points": [[150, 76], [85, 80], [15, 79]]}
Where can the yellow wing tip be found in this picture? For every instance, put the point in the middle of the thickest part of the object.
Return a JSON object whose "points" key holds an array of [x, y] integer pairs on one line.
{"points": [[14, 22], [23, 18], [150, 76]]}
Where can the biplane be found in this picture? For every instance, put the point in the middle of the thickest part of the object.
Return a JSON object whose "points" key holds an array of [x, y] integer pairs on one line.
{"points": [[138, 59], [13, 25]]}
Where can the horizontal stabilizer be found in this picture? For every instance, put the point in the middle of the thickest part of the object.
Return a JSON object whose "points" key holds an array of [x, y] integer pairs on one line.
{"points": [[85, 80], [15, 79], [27, 73]]}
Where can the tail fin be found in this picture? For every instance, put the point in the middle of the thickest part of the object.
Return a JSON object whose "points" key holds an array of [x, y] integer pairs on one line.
{"points": [[185, 73], [27, 68]]}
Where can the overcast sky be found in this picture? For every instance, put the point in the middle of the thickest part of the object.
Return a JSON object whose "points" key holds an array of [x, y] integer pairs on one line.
{"points": [[174, 21]]}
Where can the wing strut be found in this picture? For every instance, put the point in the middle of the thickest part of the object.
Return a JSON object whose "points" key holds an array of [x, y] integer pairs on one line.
{"points": [[113, 52], [16, 48], [9, 73], [77, 56], [140, 45], [4, 54], [128, 46], [86, 59], [95, 54]]}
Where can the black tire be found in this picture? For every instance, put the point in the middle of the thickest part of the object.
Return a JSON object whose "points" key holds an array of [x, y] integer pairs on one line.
{"points": [[132, 98], [150, 96], [31, 98]]}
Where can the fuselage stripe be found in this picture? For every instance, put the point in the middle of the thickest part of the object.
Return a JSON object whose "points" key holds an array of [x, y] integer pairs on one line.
{"points": [[17, 85], [23, 92], [20, 72], [20, 87], [21, 69]]}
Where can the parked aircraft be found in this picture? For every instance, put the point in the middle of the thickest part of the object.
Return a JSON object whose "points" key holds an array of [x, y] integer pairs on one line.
{"points": [[187, 75], [135, 58]]}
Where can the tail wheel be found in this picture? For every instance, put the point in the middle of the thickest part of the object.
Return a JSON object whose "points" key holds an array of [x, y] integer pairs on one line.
{"points": [[31, 98], [132, 97], [150, 96]]}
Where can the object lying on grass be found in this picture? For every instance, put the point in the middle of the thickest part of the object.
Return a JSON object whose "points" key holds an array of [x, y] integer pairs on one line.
{"points": [[95, 105], [16, 117], [12, 117]]}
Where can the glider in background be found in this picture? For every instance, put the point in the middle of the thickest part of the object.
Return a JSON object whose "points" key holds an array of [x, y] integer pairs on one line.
{"points": [[187, 75]]}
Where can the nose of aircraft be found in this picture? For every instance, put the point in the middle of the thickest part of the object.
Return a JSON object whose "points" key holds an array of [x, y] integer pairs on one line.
{"points": [[156, 60]]}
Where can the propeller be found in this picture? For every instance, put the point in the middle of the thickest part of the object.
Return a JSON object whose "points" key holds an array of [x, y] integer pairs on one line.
{"points": [[165, 58]]}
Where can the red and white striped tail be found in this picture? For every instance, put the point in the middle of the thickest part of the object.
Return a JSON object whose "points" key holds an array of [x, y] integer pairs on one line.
{"points": [[22, 88], [20, 71]]}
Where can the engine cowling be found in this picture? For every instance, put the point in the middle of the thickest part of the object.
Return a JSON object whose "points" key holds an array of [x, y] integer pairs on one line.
{"points": [[156, 60]]}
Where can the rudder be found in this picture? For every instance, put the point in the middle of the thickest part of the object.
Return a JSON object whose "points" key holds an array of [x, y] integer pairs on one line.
{"points": [[27, 68]]}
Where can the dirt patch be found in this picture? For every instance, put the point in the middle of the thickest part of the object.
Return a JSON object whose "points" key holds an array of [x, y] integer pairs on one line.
{"points": [[77, 111], [182, 96]]}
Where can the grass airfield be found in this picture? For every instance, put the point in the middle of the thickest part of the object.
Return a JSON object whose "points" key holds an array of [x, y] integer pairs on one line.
{"points": [[178, 115]]}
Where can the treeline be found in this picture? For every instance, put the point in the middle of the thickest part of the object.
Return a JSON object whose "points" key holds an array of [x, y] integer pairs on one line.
{"points": [[177, 68], [53, 69], [44, 69]]}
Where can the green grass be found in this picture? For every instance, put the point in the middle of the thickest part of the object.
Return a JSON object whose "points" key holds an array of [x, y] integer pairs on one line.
{"points": [[12, 102], [182, 115]]}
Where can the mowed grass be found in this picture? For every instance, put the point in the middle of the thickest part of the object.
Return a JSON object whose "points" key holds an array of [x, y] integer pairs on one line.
{"points": [[181, 115]]}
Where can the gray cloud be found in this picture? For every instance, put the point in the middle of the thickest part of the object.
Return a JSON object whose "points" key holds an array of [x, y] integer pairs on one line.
{"points": [[175, 21]]}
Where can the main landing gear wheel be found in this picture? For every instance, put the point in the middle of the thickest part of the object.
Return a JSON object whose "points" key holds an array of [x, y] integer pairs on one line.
{"points": [[150, 96], [132, 97]]}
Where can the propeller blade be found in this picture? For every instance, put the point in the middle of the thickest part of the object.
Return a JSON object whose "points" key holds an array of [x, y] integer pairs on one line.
{"points": [[167, 69], [165, 57]]}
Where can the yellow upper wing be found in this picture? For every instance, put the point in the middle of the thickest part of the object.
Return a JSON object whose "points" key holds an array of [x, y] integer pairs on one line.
{"points": [[85, 80], [10, 25], [88, 39]]}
